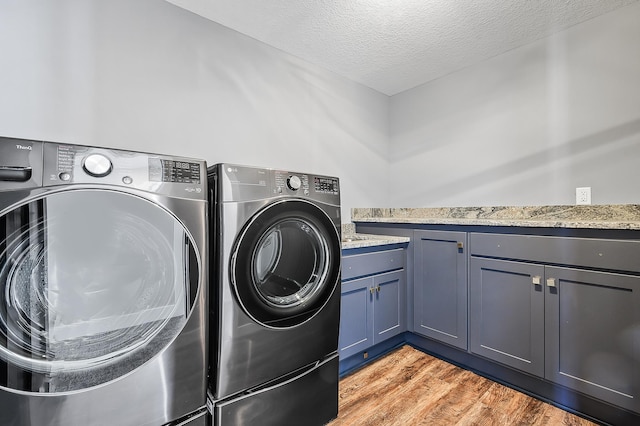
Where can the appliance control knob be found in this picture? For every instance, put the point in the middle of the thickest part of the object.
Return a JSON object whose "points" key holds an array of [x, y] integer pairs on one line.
{"points": [[97, 165], [294, 182]]}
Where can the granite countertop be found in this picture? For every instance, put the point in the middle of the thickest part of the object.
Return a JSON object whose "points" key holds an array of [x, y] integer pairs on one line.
{"points": [[611, 216], [351, 239]]}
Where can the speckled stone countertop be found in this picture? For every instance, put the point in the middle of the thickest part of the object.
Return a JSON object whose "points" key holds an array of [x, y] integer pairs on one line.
{"points": [[612, 216], [351, 240]]}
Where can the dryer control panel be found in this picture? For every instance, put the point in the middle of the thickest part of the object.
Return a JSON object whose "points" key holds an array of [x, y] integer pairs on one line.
{"points": [[246, 183], [291, 182], [326, 185]]}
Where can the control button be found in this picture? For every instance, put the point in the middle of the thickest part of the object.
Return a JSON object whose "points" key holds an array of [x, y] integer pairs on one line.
{"points": [[65, 176], [279, 190], [97, 165], [127, 180], [294, 182], [306, 192]]}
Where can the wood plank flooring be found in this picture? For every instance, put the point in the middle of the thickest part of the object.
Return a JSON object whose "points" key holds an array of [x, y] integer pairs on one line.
{"points": [[409, 387]]}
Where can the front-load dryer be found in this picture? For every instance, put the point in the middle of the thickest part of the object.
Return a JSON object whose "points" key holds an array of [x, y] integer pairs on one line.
{"points": [[103, 296], [275, 310]]}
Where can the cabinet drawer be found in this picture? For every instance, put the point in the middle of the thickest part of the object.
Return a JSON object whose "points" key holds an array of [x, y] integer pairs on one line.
{"points": [[621, 255], [360, 265]]}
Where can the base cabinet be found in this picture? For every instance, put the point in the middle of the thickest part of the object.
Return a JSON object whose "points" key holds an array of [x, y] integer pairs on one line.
{"points": [[561, 312], [440, 286], [373, 306], [356, 317], [388, 302], [572, 326], [592, 340], [506, 313]]}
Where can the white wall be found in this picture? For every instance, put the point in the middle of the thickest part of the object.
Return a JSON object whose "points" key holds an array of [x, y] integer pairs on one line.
{"points": [[526, 127], [147, 75]]}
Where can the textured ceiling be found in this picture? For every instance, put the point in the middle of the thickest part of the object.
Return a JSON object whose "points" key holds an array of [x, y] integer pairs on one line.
{"points": [[394, 45]]}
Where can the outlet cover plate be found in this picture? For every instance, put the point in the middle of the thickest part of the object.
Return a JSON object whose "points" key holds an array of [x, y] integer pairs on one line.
{"points": [[583, 195]]}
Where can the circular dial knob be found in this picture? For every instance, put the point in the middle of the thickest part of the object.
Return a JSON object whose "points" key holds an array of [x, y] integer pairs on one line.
{"points": [[97, 165], [294, 182]]}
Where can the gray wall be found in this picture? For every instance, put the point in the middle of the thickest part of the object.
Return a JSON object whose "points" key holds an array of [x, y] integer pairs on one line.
{"points": [[526, 127], [147, 75]]}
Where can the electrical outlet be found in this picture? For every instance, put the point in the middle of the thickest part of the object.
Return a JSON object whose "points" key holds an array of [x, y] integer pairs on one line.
{"points": [[583, 195]]}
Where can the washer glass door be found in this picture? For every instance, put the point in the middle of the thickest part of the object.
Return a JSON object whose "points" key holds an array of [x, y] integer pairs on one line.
{"points": [[93, 283], [286, 263]]}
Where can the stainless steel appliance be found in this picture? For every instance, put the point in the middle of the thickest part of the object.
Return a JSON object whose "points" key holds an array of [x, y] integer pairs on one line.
{"points": [[103, 301], [276, 305]]}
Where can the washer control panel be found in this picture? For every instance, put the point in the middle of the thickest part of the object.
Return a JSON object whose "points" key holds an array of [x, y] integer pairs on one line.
{"points": [[162, 170], [294, 183], [97, 165], [77, 164]]}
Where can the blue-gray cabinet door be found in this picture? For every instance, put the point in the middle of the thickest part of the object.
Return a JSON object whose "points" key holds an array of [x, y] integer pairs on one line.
{"points": [[389, 305], [593, 334], [356, 317], [440, 286], [506, 313]]}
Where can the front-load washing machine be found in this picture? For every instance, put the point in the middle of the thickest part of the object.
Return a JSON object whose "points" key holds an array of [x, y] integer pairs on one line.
{"points": [[275, 309], [103, 296]]}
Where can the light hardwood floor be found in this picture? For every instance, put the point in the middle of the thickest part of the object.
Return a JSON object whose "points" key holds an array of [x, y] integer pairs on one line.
{"points": [[409, 387]]}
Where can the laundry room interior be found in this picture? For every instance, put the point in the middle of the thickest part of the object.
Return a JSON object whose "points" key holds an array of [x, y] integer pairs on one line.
{"points": [[477, 162]]}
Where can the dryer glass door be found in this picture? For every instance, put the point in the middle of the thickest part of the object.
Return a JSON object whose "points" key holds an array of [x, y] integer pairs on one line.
{"points": [[290, 263], [286, 263], [93, 283]]}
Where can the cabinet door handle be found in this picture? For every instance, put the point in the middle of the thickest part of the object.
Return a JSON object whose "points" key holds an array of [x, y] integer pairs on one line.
{"points": [[551, 282], [460, 244], [536, 279], [372, 290], [378, 289]]}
